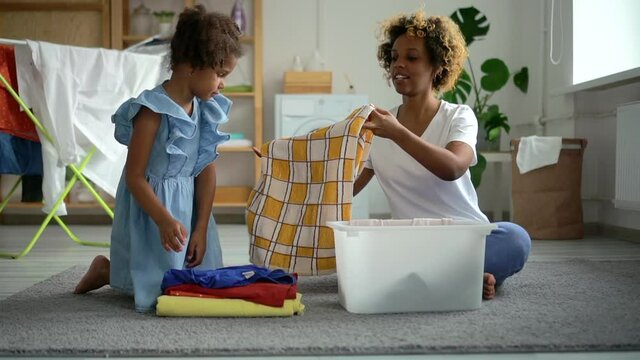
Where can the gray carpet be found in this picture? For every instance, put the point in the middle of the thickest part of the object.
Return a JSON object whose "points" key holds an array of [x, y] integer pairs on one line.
{"points": [[550, 306]]}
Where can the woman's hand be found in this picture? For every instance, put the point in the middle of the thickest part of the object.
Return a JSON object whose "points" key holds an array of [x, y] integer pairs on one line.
{"points": [[383, 124], [257, 151], [197, 248], [172, 234]]}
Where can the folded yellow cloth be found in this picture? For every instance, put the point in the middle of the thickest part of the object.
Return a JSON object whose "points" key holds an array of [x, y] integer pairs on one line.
{"points": [[212, 307]]}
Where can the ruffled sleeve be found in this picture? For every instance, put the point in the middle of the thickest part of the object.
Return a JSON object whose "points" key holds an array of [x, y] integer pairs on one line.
{"points": [[158, 102], [212, 113], [180, 126], [122, 119]]}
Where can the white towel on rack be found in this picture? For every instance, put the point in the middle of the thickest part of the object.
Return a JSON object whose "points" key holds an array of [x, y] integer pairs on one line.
{"points": [[31, 87], [535, 152], [74, 91]]}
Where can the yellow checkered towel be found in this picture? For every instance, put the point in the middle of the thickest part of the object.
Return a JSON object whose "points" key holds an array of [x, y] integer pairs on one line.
{"points": [[306, 181], [210, 307]]}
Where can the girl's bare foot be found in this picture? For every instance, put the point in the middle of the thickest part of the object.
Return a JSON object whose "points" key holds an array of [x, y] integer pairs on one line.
{"points": [[96, 277], [489, 286]]}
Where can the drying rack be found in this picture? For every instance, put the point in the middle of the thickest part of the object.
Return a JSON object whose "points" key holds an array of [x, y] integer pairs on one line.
{"points": [[75, 169]]}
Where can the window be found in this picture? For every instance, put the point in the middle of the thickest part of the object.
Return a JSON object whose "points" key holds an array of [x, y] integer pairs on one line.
{"points": [[606, 38]]}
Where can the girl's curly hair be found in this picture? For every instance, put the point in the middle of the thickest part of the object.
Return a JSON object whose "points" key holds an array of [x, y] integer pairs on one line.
{"points": [[443, 40], [204, 40]]}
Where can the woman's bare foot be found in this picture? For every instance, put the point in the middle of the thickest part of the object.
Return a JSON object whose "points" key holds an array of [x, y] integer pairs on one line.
{"points": [[96, 277], [489, 286]]}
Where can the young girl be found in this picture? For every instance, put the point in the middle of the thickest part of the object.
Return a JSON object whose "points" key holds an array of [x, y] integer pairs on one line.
{"points": [[423, 149], [163, 204]]}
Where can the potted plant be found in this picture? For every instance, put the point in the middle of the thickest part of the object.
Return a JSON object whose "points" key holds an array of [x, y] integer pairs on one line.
{"points": [[165, 20], [491, 120]]}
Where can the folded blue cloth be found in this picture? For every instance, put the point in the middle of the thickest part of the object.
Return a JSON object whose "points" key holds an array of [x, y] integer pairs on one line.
{"points": [[226, 277]]}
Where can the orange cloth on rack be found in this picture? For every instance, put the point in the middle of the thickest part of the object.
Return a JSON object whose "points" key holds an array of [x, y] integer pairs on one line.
{"points": [[12, 120]]}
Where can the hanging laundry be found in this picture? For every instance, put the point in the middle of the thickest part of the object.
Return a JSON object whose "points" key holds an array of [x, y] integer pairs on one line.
{"points": [[73, 92], [31, 188], [19, 156], [12, 120]]}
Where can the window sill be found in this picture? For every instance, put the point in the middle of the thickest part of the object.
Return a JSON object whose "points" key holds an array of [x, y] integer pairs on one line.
{"points": [[606, 82]]}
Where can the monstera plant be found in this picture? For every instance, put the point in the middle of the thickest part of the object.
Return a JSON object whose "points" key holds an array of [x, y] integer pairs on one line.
{"points": [[495, 75]]}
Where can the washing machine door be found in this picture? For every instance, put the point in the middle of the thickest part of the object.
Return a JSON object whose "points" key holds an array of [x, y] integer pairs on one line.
{"points": [[308, 125]]}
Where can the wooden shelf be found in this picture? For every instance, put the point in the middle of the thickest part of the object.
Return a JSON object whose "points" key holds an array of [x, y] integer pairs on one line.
{"points": [[51, 6], [134, 38], [235, 148], [231, 196], [247, 39], [226, 196], [137, 38], [237, 197], [35, 205], [25, 205], [238, 94], [230, 204], [88, 205]]}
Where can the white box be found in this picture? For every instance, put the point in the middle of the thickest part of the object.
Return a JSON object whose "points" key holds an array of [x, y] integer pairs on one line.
{"points": [[391, 266]]}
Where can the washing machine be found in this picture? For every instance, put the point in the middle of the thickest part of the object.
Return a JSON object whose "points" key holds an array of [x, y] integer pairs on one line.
{"points": [[299, 114]]}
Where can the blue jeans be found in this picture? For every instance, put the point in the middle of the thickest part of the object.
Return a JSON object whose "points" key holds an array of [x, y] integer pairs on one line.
{"points": [[506, 251]]}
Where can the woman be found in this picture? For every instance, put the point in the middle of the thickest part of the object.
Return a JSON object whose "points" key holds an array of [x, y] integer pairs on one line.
{"points": [[423, 149]]}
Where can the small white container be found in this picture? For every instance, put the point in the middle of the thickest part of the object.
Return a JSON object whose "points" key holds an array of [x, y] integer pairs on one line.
{"points": [[141, 20], [419, 265]]}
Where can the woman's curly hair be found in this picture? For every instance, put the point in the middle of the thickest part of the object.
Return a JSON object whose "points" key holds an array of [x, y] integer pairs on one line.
{"points": [[443, 40], [204, 39]]}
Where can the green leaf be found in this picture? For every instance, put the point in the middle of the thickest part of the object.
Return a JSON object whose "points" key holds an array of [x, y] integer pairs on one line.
{"points": [[477, 170], [450, 96], [473, 24], [494, 118], [493, 122], [497, 75], [491, 113], [521, 79], [460, 93], [494, 134]]}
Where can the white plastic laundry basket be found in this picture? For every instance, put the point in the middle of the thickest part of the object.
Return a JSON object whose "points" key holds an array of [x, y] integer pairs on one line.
{"points": [[419, 265]]}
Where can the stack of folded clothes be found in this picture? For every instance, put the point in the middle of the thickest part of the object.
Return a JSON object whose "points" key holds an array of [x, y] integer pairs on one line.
{"points": [[236, 291]]}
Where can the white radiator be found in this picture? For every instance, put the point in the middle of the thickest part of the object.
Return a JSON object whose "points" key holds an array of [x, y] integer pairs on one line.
{"points": [[628, 157]]}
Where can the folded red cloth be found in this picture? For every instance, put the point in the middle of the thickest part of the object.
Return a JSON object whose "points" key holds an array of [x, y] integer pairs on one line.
{"points": [[269, 294], [12, 120]]}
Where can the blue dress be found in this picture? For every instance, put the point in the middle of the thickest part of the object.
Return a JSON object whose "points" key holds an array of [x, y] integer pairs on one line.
{"points": [[183, 147]]}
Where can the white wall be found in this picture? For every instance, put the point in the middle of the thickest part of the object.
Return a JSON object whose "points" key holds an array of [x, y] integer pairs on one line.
{"points": [[596, 121], [590, 115], [347, 40]]}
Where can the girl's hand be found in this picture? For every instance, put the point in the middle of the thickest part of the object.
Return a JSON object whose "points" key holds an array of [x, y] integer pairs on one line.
{"points": [[197, 248], [172, 234], [383, 124]]}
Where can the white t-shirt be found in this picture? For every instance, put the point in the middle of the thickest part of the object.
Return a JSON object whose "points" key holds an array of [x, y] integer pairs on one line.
{"points": [[415, 192]]}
